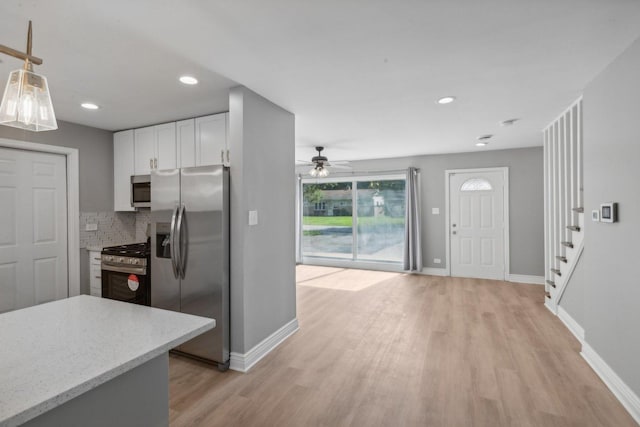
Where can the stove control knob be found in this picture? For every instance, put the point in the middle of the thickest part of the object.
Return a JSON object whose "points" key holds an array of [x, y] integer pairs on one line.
{"points": [[120, 259]]}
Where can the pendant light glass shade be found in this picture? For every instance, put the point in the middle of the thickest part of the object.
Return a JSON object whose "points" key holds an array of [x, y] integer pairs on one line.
{"points": [[319, 171], [26, 103]]}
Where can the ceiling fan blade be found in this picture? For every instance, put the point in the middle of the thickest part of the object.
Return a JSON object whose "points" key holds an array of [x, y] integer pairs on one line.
{"points": [[304, 162], [333, 166]]}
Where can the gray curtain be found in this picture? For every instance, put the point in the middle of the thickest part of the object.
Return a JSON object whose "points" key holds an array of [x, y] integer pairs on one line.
{"points": [[412, 246], [299, 204]]}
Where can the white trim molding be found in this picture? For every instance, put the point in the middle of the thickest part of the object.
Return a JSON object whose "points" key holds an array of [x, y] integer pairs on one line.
{"points": [[434, 271], [73, 204], [571, 324], [243, 362], [525, 278], [621, 391]]}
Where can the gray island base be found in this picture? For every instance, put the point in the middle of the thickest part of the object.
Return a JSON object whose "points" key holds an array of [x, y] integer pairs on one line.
{"points": [[89, 361]]}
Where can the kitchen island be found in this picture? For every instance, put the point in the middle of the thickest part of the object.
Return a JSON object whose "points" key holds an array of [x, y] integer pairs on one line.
{"points": [[89, 361]]}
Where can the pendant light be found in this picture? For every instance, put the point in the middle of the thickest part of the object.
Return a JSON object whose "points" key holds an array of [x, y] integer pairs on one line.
{"points": [[26, 103]]}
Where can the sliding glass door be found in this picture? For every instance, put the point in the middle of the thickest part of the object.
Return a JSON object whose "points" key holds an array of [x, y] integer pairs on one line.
{"points": [[359, 219]]}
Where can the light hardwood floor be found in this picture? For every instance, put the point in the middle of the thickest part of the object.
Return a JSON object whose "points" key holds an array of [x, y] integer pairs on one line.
{"points": [[385, 349]]}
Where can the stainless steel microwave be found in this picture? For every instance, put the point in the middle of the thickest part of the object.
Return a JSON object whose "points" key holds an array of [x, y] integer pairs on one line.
{"points": [[141, 191]]}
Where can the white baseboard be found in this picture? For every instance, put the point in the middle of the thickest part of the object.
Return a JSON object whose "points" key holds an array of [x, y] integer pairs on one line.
{"points": [[571, 324], [525, 278], [243, 362], [625, 395], [433, 271]]}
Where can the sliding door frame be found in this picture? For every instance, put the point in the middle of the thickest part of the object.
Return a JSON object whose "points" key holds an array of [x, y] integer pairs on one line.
{"points": [[353, 262]]}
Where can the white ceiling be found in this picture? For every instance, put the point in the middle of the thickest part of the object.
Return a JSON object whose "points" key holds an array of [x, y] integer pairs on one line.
{"points": [[361, 77]]}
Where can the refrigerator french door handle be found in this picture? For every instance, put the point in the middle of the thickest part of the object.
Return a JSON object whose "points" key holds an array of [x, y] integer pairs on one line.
{"points": [[181, 258], [172, 246]]}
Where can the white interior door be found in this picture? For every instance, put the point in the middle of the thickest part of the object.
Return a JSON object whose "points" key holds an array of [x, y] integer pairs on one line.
{"points": [[33, 228], [476, 224]]}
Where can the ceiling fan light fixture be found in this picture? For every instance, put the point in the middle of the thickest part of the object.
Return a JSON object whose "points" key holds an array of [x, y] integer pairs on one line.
{"points": [[26, 103]]}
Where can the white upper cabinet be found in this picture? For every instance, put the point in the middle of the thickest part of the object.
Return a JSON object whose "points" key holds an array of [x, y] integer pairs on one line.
{"points": [[165, 146], [144, 154], [211, 140], [155, 148], [186, 135], [123, 168]]}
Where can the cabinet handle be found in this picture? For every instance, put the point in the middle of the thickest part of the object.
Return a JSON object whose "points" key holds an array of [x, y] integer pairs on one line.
{"points": [[155, 163], [98, 277], [99, 259], [227, 156], [221, 156], [150, 163]]}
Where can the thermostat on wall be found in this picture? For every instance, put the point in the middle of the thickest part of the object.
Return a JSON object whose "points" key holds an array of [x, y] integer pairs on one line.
{"points": [[609, 212]]}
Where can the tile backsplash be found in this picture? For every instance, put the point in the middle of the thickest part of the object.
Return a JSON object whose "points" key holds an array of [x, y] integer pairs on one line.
{"points": [[114, 228]]}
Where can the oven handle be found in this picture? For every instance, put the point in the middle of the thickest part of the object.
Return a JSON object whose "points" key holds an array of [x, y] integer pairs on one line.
{"points": [[106, 266], [172, 240], [181, 260]]}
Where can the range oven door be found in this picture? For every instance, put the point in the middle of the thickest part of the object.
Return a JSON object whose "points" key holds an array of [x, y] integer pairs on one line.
{"points": [[129, 284]]}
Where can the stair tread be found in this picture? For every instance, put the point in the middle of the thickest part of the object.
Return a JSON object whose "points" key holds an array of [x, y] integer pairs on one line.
{"points": [[556, 271], [551, 283], [561, 258], [573, 227], [547, 294], [567, 244], [578, 209]]}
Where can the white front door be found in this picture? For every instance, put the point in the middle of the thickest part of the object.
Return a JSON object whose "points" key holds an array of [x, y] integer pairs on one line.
{"points": [[33, 228], [476, 224]]}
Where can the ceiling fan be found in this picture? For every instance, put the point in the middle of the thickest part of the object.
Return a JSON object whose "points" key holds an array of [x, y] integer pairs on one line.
{"points": [[321, 164]]}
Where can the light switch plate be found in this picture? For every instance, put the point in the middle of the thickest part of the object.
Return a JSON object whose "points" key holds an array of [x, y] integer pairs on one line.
{"points": [[595, 215], [437, 260], [253, 217], [435, 211], [91, 227]]}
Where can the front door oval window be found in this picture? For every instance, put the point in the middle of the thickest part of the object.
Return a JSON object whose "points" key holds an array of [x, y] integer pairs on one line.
{"points": [[476, 184]]}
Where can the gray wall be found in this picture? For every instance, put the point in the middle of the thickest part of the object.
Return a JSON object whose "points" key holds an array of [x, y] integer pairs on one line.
{"points": [[525, 207], [95, 148], [263, 297], [95, 152], [611, 173]]}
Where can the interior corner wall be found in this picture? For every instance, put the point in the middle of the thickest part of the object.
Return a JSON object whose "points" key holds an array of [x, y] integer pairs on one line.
{"points": [[95, 153], [526, 210], [611, 107], [262, 146]]}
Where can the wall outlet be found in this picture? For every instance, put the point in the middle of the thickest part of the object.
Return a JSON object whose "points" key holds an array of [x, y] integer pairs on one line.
{"points": [[91, 227], [437, 260], [253, 217], [435, 211]]}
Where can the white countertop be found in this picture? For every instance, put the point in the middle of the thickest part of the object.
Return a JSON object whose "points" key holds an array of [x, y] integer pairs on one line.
{"points": [[53, 352]]}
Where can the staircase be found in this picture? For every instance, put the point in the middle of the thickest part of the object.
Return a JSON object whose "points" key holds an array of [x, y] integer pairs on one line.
{"points": [[563, 201]]}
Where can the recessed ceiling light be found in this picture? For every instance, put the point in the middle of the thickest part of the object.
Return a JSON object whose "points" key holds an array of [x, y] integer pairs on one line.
{"points": [[446, 100], [188, 80], [481, 144], [89, 106]]}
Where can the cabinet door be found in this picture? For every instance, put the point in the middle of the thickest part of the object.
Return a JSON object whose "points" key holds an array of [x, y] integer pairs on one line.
{"points": [[123, 168], [186, 136], [144, 144], [211, 140], [165, 157]]}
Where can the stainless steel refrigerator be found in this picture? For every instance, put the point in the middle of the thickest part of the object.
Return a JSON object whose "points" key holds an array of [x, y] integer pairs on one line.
{"points": [[190, 252]]}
